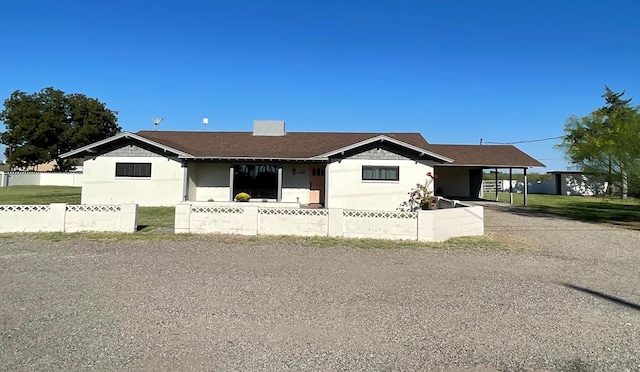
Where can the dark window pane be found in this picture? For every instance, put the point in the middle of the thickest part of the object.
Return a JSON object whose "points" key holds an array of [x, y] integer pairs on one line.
{"points": [[380, 173], [133, 170], [258, 180]]}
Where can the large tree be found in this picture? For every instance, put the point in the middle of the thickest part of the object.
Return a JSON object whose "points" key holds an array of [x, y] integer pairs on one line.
{"points": [[41, 126], [607, 142]]}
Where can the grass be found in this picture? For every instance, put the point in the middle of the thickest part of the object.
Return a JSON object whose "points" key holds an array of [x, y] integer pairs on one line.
{"points": [[31, 195], [462, 243], [476, 243], [615, 211], [153, 218]]}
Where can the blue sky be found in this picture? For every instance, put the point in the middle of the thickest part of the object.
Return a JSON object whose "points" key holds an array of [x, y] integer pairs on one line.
{"points": [[455, 71]]}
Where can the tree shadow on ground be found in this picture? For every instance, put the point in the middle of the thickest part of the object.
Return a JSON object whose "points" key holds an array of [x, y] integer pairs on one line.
{"points": [[621, 215], [601, 212], [602, 295]]}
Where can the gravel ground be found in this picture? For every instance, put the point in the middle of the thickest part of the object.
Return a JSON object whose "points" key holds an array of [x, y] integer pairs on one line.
{"points": [[565, 299]]}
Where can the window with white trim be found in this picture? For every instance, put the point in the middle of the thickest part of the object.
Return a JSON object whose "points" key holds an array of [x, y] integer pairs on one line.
{"points": [[141, 170], [380, 173]]}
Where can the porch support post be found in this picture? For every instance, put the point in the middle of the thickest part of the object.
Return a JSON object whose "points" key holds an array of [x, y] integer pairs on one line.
{"points": [[496, 184], [185, 181], [510, 187], [231, 182], [279, 198], [526, 187], [326, 186]]}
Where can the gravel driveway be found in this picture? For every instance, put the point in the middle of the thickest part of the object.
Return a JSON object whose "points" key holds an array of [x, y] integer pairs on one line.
{"points": [[566, 298]]}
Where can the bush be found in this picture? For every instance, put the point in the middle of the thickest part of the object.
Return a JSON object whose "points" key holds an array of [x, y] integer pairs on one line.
{"points": [[242, 197]]}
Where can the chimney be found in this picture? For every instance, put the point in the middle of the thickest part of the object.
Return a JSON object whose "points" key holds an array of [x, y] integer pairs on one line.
{"points": [[271, 128]]}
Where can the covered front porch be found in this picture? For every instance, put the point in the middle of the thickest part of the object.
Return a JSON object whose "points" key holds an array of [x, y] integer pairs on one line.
{"points": [[281, 182]]}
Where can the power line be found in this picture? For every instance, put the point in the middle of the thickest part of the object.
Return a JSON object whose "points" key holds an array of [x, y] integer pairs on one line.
{"points": [[526, 141]]}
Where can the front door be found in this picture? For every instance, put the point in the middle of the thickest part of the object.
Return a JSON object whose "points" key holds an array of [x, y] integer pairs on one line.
{"points": [[316, 185]]}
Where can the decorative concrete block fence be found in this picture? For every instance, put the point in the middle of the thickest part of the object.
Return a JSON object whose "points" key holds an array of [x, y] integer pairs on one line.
{"points": [[253, 219], [59, 217]]}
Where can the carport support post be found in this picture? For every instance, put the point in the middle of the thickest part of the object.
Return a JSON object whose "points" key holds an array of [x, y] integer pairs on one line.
{"points": [[496, 184], [510, 188], [526, 187]]}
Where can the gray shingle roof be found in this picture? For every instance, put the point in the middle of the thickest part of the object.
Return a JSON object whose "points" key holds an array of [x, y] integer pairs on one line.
{"points": [[309, 145], [246, 145], [491, 156]]}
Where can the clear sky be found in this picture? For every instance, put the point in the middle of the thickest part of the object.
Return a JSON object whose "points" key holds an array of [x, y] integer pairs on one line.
{"points": [[455, 71]]}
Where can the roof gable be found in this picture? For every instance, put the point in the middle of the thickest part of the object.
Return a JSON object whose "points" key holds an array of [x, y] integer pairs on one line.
{"points": [[94, 148], [384, 138]]}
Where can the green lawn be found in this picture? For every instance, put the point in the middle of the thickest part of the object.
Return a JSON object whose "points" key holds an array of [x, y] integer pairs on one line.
{"points": [[39, 195], [584, 208], [152, 218], [149, 218]]}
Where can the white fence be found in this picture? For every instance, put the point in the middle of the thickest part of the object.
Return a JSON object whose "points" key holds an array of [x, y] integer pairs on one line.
{"points": [[61, 217], [489, 186], [40, 179], [247, 219]]}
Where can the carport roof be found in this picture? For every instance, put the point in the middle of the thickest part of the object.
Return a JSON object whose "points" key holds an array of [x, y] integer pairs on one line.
{"points": [[486, 156]]}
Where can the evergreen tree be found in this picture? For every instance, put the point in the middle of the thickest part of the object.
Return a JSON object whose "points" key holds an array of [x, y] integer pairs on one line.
{"points": [[41, 126]]}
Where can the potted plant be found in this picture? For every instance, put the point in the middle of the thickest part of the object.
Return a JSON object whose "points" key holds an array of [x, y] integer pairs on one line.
{"points": [[242, 197], [421, 196]]}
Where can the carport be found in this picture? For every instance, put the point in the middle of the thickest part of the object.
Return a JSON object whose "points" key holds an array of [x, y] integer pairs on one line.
{"points": [[462, 178]]}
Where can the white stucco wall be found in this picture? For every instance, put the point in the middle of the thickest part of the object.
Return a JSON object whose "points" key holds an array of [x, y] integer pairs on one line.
{"points": [[346, 189], [295, 187], [453, 181], [191, 181], [101, 186], [211, 181]]}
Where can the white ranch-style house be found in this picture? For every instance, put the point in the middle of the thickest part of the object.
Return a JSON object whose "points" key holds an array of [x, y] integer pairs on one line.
{"points": [[364, 171]]}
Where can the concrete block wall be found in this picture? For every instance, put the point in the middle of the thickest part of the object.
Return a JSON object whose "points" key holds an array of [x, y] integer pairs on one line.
{"points": [[20, 178], [104, 218], [30, 218], [247, 219], [293, 221], [380, 225], [40, 179], [209, 219], [442, 224], [59, 217]]}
